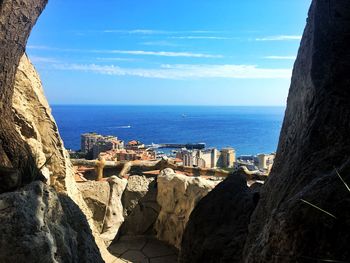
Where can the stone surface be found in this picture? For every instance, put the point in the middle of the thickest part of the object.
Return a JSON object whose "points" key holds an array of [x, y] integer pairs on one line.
{"points": [[314, 142], [96, 196], [140, 206], [177, 196], [17, 17], [114, 215], [218, 226], [36, 127], [37, 225], [139, 249]]}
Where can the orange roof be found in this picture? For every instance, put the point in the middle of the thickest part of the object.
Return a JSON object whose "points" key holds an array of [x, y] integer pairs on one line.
{"points": [[133, 142]]}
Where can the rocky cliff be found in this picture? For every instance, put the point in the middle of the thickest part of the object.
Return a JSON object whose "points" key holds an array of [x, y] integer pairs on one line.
{"points": [[314, 144], [36, 127], [177, 196], [303, 212]]}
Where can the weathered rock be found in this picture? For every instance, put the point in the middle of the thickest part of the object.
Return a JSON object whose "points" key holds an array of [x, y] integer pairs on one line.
{"points": [[17, 18], [136, 188], [37, 225], [140, 206], [96, 196], [114, 215], [218, 226], [314, 141], [177, 196], [36, 127]]}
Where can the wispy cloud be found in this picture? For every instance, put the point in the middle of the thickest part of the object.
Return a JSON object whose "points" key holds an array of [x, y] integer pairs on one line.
{"points": [[160, 53], [180, 72], [158, 32], [39, 59], [281, 57], [131, 52], [203, 37], [279, 38], [161, 43], [117, 59], [136, 31]]}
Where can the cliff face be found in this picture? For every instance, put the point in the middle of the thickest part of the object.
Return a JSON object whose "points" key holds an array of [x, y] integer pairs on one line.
{"points": [[177, 196], [17, 17], [39, 225], [36, 127], [314, 142], [303, 212]]}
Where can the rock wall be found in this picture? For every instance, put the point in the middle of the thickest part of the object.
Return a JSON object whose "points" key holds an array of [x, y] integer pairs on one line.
{"points": [[218, 226], [314, 142], [38, 225], [36, 127], [17, 17], [177, 196], [303, 211], [114, 214], [141, 209]]}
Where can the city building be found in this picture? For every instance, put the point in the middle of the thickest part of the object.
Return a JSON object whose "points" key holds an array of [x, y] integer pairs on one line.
{"points": [[134, 145], [228, 158], [265, 161], [207, 158], [92, 144], [128, 155]]}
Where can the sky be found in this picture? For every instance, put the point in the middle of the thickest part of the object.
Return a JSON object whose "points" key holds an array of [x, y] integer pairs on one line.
{"points": [[166, 52]]}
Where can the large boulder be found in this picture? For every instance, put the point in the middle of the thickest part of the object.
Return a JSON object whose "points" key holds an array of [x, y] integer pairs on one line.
{"points": [[303, 214], [38, 225], [177, 196], [114, 215], [96, 195], [140, 206], [218, 226]]}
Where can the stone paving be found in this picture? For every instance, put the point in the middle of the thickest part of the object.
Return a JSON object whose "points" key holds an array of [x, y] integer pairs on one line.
{"points": [[143, 249]]}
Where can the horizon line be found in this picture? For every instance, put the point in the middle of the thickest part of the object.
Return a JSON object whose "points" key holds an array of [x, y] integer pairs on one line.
{"points": [[166, 105]]}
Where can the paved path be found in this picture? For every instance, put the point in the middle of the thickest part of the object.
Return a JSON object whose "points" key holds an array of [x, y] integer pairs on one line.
{"points": [[141, 249]]}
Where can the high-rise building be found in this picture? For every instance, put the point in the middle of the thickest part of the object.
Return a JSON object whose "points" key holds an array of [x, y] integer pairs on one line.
{"points": [[88, 140], [265, 161], [228, 157], [92, 144]]}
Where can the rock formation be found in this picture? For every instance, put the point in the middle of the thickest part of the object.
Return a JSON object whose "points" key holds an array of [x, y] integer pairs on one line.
{"points": [[140, 206], [37, 225], [218, 226], [177, 197], [303, 212], [16, 21], [114, 214], [96, 196], [37, 128], [314, 142]]}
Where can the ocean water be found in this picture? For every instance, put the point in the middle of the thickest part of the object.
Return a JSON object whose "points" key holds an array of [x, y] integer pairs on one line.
{"points": [[250, 130]]}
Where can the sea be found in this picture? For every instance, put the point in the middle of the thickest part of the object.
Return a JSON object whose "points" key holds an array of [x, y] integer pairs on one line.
{"points": [[250, 130]]}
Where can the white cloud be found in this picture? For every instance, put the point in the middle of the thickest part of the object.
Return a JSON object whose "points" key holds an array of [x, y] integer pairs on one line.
{"points": [[182, 71], [131, 52], [162, 43], [136, 31], [281, 57], [279, 38], [203, 37], [158, 32], [117, 59], [38, 59], [159, 53]]}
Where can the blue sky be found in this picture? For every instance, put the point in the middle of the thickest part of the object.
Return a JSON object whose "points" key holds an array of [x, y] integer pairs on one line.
{"points": [[183, 52]]}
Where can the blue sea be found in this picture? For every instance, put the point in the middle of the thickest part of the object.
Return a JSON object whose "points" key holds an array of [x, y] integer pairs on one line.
{"points": [[250, 130]]}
